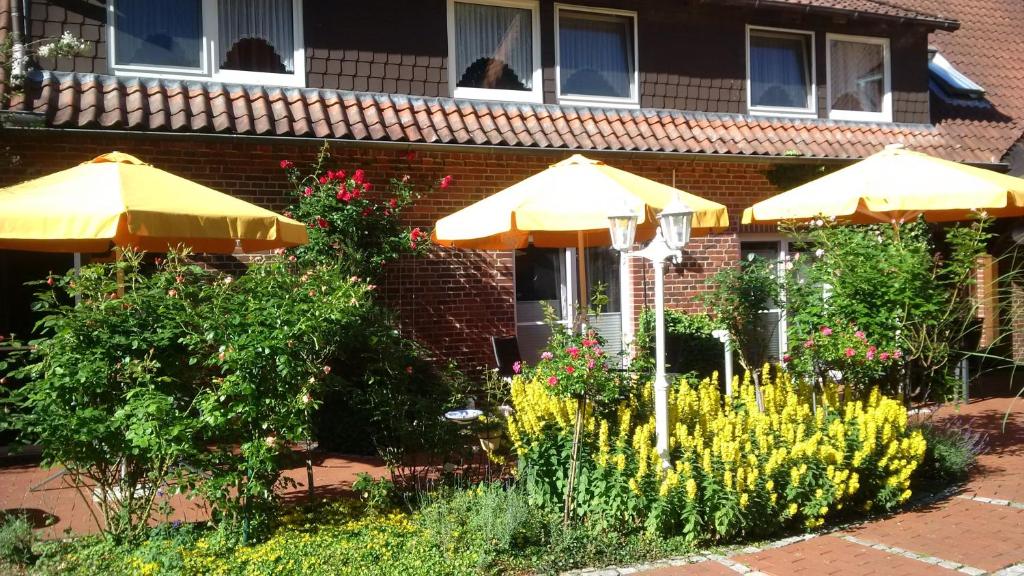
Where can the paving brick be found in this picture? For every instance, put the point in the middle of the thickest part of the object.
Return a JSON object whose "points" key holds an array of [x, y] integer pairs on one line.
{"points": [[708, 568], [834, 556]]}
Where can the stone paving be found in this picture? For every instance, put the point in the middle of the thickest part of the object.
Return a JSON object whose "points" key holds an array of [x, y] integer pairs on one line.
{"points": [[977, 530], [57, 507]]}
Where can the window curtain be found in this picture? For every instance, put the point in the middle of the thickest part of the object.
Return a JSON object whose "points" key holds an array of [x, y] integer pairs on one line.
{"points": [[595, 54], [267, 20], [493, 32], [158, 32], [858, 76], [779, 71]]}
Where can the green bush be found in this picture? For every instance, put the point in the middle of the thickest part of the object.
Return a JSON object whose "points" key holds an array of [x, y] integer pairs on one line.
{"points": [[16, 539], [907, 287], [186, 366], [952, 450], [689, 346]]}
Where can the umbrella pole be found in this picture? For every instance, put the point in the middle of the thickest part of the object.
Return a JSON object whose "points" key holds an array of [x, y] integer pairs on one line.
{"points": [[78, 272], [581, 268]]}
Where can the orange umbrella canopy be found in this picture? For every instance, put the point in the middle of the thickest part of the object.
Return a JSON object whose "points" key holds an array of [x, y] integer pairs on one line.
{"points": [[894, 185], [116, 199], [568, 205]]}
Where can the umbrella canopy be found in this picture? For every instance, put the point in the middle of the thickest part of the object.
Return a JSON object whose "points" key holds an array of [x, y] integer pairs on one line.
{"points": [[896, 185], [568, 205], [118, 199]]}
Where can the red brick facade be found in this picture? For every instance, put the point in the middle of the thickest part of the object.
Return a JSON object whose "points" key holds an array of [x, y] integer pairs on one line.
{"points": [[451, 301]]}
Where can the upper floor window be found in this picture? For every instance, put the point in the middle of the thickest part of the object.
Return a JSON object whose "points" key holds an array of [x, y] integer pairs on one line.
{"points": [[494, 49], [780, 78], [246, 41], [859, 78], [596, 56]]}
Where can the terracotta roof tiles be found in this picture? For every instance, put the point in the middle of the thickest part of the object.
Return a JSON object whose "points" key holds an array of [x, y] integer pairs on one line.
{"points": [[70, 100]]}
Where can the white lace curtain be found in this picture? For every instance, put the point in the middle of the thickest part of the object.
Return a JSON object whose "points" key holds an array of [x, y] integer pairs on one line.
{"points": [[269, 20], [499, 32], [858, 76], [779, 70], [595, 54], [158, 32]]}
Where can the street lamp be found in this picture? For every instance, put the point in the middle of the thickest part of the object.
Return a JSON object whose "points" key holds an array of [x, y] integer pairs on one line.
{"points": [[676, 222]]}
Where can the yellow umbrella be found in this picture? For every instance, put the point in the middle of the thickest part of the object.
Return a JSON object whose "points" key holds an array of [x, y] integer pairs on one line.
{"points": [[896, 185], [568, 206], [118, 199]]}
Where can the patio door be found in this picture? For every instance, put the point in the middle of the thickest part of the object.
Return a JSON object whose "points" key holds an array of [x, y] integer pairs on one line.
{"points": [[547, 276], [773, 319]]}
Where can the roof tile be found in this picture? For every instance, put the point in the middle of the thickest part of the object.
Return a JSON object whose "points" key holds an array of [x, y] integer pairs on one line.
{"points": [[70, 100]]}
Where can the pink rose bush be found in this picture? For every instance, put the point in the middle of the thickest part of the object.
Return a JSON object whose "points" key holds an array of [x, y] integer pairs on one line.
{"points": [[844, 354], [576, 366]]}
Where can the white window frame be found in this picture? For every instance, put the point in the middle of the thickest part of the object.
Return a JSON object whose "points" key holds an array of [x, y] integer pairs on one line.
{"points": [[633, 101], [209, 66], [886, 114], [810, 111], [536, 93]]}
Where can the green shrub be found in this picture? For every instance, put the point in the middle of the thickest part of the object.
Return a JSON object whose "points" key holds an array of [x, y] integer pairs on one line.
{"points": [[16, 539], [689, 346], [489, 519], [377, 494], [952, 450]]}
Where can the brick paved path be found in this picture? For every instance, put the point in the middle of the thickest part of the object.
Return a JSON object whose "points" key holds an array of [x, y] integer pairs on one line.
{"points": [[332, 475], [980, 530]]}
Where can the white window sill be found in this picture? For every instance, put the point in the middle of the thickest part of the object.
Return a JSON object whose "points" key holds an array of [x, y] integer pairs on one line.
{"points": [[855, 116], [624, 103], [521, 96], [226, 76], [783, 112]]}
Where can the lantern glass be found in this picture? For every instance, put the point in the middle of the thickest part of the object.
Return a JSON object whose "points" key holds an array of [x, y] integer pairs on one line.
{"points": [[676, 224], [622, 228]]}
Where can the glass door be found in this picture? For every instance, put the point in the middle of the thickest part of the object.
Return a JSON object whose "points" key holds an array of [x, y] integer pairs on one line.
{"points": [[545, 276], [541, 280]]}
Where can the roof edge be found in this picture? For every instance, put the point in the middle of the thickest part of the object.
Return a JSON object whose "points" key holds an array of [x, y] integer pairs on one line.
{"points": [[933, 22]]}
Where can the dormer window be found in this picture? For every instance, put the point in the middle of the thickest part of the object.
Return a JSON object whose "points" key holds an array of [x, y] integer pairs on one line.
{"points": [[494, 50], [244, 41], [780, 78], [859, 83]]}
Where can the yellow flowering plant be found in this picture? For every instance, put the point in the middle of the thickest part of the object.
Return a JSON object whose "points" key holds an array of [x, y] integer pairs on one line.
{"points": [[736, 470]]}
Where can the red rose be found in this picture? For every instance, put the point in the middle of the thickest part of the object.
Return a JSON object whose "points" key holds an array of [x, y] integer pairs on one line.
{"points": [[393, 202], [570, 369], [323, 180], [446, 182], [416, 234], [367, 211], [307, 192], [367, 186], [408, 369], [343, 196], [286, 164], [49, 281], [321, 222], [287, 213], [356, 193], [339, 174], [359, 176]]}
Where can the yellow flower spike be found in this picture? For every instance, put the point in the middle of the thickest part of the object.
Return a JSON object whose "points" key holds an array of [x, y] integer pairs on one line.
{"points": [[691, 489]]}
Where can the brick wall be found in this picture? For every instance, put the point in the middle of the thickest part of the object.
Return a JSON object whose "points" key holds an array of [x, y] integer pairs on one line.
{"points": [[450, 300]]}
